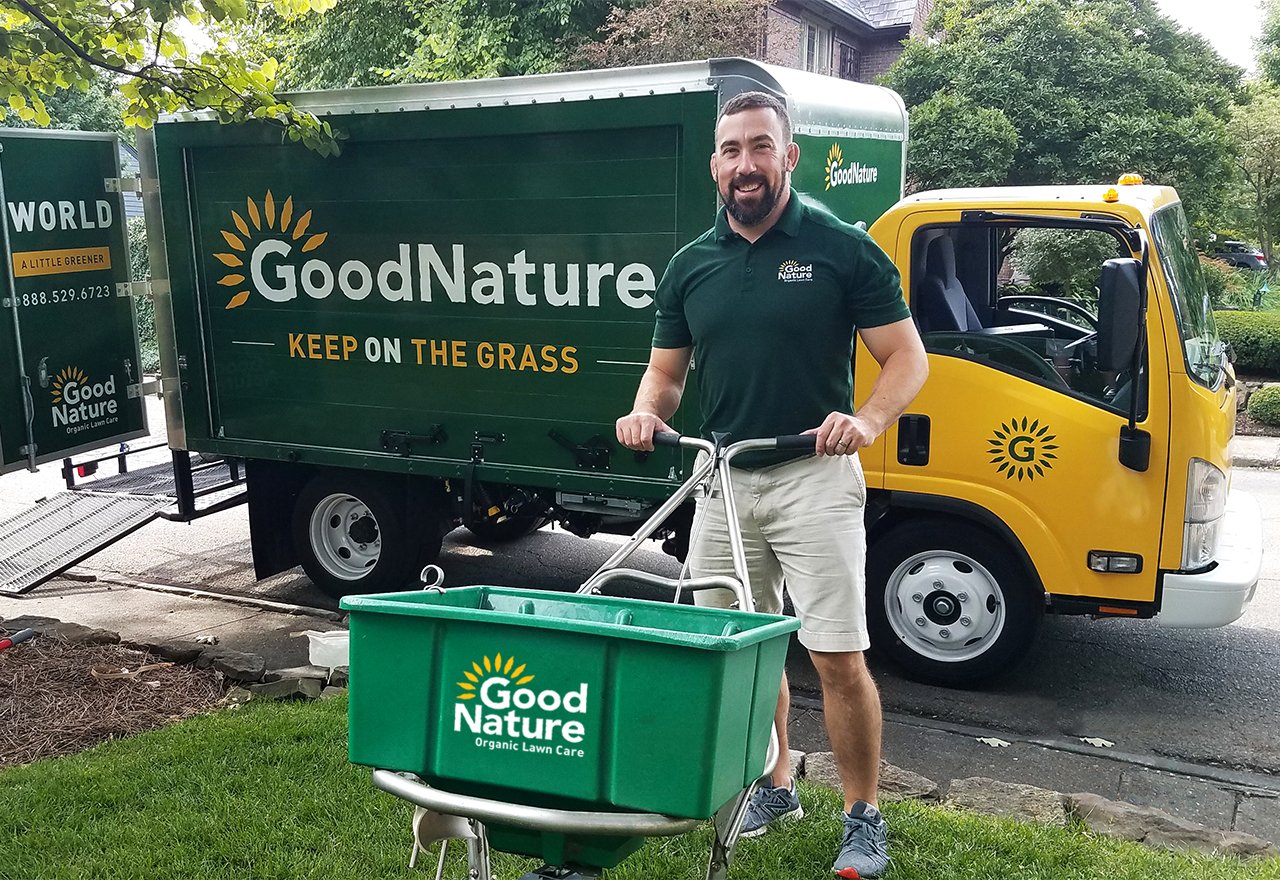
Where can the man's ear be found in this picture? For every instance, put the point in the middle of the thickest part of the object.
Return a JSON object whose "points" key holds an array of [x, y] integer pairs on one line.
{"points": [[793, 156], [715, 166]]}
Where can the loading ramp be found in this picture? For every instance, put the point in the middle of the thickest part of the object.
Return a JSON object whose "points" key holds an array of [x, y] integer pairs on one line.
{"points": [[64, 529]]}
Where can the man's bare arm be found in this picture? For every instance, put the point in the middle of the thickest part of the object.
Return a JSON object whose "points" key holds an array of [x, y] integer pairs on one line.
{"points": [[903, 369], [657, 399]]}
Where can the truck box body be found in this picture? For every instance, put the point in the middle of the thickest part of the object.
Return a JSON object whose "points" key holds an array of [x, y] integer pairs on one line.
{"points": [[472, 279]]}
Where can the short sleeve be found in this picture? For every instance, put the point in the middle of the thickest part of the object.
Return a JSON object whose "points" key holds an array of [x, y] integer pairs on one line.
{"points": [[671, 329], [875, 285]]}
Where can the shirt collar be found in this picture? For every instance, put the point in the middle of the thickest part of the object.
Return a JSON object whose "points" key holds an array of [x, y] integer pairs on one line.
{"points": [[788, 223]]}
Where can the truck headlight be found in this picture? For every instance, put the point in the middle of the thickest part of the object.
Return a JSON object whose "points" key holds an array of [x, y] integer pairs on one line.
{"points": [[1206, 504]]}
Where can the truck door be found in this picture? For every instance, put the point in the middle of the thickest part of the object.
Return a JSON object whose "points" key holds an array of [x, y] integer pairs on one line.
{"points": [[1004, 471], [69, 364]]}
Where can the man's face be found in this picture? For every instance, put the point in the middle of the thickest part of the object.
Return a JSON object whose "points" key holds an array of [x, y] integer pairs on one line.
{"points": [[752, 163]]}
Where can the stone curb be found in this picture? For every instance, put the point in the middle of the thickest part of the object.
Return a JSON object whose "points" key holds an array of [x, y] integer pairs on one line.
{"points": [[1252, 461], [237, 667], [1027, 803]]}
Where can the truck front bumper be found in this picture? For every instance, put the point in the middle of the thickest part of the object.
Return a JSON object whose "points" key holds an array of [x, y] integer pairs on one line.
{"points": [[1218, 596]]}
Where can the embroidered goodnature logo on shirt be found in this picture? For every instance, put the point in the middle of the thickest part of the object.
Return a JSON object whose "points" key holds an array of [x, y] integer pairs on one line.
{"points": [[791, 270]]}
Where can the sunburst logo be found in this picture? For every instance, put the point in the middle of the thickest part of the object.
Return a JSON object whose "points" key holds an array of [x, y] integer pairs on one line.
{"points": [[69, 376], [834, 159], [495, 668], [1023, 449], [259, 222]]}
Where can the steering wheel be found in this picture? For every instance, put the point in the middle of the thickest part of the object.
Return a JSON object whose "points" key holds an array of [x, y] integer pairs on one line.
{"points": [[985, 345], [1054, 303]]}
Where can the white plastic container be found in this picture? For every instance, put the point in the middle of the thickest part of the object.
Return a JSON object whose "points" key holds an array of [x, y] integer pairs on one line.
{"points": [[329, 648]]}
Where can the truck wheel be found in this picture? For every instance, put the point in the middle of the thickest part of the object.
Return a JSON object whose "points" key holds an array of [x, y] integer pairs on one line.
{"points": [[350, 534], [510, 529], [948, 602]]}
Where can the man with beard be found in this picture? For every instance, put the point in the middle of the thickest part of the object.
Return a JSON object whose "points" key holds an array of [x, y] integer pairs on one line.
{"points": [[770, 299]]}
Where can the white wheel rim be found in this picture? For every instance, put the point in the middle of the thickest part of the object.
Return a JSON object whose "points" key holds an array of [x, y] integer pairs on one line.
{"points": [[945, 606], [345, 537]]}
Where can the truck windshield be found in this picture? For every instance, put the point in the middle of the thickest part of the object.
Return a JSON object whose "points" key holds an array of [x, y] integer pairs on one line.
{"points": [[1204, 351]]}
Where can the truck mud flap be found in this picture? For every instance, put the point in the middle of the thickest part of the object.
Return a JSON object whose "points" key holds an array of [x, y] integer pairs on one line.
{"points": [[55, 534]]}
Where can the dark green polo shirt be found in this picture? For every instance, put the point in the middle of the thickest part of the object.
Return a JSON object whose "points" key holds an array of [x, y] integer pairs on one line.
{"points": [[772, 322]]}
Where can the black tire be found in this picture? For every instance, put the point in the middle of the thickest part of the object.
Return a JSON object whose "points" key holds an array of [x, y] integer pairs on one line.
{"points": [[513, 528], [939, 571], [353, 536]]}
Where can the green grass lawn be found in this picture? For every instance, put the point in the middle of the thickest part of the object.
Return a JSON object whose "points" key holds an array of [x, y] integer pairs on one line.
{"points": [[266, 792]]}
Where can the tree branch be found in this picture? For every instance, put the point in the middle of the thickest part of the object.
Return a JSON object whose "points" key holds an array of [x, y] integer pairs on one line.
{"points": [[76, 49]]}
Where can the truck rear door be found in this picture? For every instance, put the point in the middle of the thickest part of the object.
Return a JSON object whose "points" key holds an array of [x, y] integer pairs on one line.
{"points": [[69, 362]]}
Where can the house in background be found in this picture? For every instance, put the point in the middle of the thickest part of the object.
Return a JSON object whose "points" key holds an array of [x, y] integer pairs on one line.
{"points": [[850, 39], [130, 167]]}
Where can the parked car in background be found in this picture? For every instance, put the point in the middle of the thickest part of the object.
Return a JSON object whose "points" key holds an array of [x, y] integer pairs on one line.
{"points": [[1239, 255]]}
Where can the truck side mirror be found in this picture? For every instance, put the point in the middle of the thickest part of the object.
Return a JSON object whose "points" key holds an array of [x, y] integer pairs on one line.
{"points": [[1119, 308]]}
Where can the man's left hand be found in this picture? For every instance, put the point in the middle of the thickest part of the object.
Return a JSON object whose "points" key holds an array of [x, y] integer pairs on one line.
{"points": [[842, 434]]}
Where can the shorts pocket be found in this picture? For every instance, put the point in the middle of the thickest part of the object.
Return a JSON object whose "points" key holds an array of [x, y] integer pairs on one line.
{"points": [[855, 467]]}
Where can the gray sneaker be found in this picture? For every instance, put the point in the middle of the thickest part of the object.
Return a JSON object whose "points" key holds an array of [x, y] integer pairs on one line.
{"points": [[768, 805], [864, 851]]}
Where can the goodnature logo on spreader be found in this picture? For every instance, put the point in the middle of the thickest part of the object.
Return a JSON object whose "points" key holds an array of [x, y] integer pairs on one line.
{"points": [[266, 246], [837, 175], [496, 705], [79, 404]]}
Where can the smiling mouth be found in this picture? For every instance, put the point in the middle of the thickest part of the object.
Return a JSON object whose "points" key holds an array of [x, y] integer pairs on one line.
{"points": [[749, 187]]}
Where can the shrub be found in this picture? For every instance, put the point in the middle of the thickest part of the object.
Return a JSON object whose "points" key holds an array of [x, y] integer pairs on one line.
{"points": [[1255, 336], [1226, 286], [1264, 405], [144, 306], [1063, 262]]}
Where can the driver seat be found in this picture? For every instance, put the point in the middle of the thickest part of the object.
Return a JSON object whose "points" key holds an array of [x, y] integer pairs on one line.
{"points": [[942, 301]]}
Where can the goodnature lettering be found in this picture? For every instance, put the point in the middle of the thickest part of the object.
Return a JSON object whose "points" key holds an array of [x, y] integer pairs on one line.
{"points": [[855, 173], [425, 274], [502, 711], [83, 402]]}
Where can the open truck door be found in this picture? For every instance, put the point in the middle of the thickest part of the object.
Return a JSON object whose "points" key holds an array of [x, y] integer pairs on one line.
{"points": [[69, 363]]}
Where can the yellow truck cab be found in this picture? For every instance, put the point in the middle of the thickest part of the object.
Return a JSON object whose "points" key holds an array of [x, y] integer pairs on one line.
{"points": [[1069, 452]]}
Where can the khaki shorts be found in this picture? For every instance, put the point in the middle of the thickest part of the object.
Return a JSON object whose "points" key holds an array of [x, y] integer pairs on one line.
{"points": [[802, 527]]}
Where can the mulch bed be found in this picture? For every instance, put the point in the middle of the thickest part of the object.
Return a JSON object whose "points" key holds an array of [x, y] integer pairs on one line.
{"points": [[57, 697], [1246, 424]]}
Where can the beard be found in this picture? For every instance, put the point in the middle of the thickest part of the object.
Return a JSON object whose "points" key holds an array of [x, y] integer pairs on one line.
{"points": [[751, 214]]}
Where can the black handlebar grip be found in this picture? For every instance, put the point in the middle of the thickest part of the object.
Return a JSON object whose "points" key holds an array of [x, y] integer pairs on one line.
{"points": [[665, 438], [798, 441]]}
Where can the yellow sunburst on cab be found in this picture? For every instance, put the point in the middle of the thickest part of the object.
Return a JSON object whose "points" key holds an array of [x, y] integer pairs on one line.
{"points": [[834, 158], [68, 374], [260, 220], [492, 667]]}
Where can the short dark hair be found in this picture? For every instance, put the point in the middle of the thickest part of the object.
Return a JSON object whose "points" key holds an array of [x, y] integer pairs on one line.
{"points": [[753, 101]]}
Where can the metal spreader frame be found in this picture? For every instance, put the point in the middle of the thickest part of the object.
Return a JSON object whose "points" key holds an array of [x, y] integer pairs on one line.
{"points": [[434, 818]]}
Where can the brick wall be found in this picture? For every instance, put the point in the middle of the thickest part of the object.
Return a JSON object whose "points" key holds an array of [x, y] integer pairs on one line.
{"points": [[923, 10], [783, 40], [877, 58]]}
